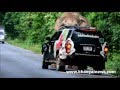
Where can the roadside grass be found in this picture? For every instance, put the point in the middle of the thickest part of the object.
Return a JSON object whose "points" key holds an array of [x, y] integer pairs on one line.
{"points": [[112, 64], [36, 48]]}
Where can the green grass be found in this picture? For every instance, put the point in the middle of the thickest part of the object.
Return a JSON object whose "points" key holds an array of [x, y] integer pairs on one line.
{"points": [[36, 48], [113, 63]]}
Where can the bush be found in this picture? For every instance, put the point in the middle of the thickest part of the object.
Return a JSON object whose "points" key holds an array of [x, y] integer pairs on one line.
{"points": [[114, 63]]}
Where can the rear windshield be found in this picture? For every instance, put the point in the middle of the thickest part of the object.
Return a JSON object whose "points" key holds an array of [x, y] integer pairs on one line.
{"points": [[1, 33], [85, 38]]}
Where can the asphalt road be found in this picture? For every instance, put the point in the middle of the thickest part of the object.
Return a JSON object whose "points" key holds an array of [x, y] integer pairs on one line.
{"points": [[16, 62]]}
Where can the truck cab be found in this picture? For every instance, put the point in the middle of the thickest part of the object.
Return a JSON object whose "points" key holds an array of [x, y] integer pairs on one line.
{"points": [[2, 35]]}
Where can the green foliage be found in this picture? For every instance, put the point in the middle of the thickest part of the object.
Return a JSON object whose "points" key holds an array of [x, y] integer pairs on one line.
{"points": [[34, 47], [2, 14], [35, 26], [30, 26], [114, 63], [109, 24]]}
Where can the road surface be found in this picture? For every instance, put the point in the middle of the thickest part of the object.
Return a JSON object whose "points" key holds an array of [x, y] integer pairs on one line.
{"points": [[16, 62]]}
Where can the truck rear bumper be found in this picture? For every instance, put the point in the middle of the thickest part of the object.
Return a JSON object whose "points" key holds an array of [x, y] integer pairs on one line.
{"points": [[86, 58]]}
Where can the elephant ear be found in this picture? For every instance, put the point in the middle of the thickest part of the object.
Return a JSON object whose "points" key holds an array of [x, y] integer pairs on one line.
{"points": [[83, 19], [57, 24]]}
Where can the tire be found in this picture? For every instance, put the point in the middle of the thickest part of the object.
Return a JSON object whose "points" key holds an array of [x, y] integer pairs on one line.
{"points": [[44, 64], [100, 66], [60, 65], [82, 67], [3, 42]]}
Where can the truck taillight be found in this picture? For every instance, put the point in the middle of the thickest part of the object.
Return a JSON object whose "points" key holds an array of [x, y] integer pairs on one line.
{"points": [[68, 47], [106, 49]]}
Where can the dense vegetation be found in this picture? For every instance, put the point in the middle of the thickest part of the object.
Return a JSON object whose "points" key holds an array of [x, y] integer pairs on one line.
{"points": [[2, 14], [31, 28]]}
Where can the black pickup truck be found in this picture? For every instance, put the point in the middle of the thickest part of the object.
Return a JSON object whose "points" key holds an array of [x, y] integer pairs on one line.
{"points": [[78, 46]]}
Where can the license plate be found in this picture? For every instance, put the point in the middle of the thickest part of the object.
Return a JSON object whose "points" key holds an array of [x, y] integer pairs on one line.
{"points": [[87, 48]]}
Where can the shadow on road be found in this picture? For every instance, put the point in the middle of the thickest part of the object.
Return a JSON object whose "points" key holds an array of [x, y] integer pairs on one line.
{"points": [[91, 74]]}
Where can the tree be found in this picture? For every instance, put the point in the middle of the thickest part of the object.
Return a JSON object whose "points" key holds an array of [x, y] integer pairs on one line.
{"points": [[35, 26]]}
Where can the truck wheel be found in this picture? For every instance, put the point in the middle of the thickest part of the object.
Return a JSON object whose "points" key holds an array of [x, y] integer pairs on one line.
{"points": [[44, 64], [100, 66], [3, 42], [82, 67], [60, 65]]}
